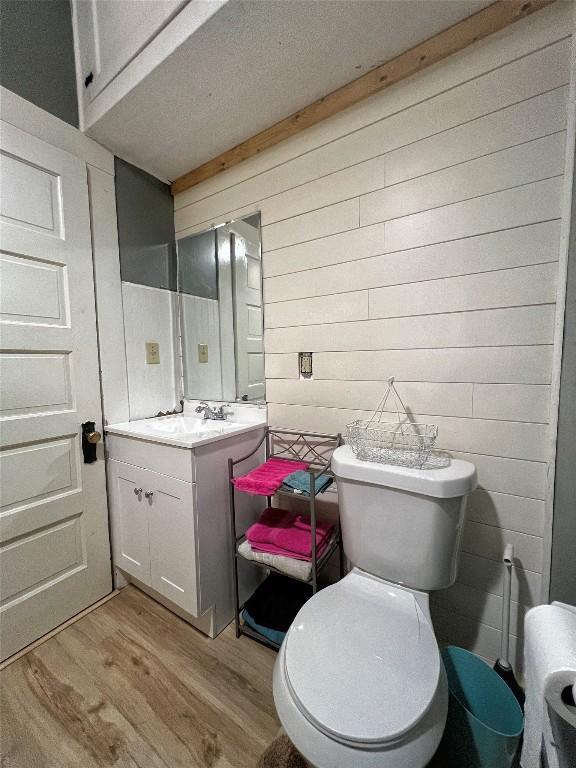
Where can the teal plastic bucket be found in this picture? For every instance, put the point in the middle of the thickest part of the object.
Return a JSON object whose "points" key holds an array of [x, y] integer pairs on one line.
{"points": [[485, 722]]}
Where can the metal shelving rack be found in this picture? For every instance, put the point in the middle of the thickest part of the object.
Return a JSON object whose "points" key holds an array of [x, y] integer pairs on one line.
{"points": [[316, 449]]}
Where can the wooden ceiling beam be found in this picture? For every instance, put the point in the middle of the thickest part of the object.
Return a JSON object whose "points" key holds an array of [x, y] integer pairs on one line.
{"points": [[457, 37]]}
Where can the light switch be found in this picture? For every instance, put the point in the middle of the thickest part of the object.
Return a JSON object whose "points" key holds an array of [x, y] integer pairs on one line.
{"points": [[202, 353], [152, 353]]}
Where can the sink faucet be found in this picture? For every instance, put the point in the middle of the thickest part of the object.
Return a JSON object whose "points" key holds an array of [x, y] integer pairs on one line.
{"points": [[216, 414]]}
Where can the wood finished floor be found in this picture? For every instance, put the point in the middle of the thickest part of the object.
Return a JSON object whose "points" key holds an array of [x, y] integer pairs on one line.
{"points": [[131, 684]]}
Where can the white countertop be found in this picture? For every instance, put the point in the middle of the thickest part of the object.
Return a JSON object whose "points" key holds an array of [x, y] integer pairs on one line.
{"points": [[190, 430]]}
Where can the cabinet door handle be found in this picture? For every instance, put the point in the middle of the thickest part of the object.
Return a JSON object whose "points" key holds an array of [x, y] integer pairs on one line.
{"points": [[137, 491], [149, 494]]}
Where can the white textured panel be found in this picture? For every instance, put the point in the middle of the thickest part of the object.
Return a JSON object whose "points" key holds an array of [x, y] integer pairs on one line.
{"points": [[328, 190], [32, 291], [505, 511], [149, 316], [493, 438], [509, 401], [477, 604], [539, 159], [255, 367], [253, 273], [29, 196], [539, 201], [488, 328], [34, 472], [522, 478], [538, 116], [326, 309], [526, 365], [254, 320], [533, 244], [40, 559], [489, 541], [488, 575], [282, 366], [481, 639], [34, 382], [333, 249], [442, 399], [504, 288], [309, 226], [201, 325]]}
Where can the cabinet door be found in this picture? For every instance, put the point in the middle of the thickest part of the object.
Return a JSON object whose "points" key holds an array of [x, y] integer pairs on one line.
{"points": [[173, 541], [129, 518], [111, 34]]}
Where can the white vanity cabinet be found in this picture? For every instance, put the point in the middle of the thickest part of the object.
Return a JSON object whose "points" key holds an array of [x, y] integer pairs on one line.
{"points": [[169, 513], [155, 534]]}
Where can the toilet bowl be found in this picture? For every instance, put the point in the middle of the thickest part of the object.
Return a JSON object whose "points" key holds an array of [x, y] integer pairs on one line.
{"points": [[359, 681]]}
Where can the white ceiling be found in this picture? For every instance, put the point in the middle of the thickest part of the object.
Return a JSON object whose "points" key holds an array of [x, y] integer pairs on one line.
{"points": [[255, 62]]}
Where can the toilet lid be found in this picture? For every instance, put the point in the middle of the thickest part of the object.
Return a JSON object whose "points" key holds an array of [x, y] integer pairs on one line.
{"points": [[361, 660]]}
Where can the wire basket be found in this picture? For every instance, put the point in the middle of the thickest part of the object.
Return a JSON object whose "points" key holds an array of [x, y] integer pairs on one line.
{"points": [[403, 443]]}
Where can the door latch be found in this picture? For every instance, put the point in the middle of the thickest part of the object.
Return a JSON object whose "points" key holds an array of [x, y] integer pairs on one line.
{"points": [[90, 438]]}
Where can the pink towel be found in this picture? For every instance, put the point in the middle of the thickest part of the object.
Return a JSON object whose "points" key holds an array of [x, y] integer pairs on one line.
{"points": [[267, 478], [286, 533]]}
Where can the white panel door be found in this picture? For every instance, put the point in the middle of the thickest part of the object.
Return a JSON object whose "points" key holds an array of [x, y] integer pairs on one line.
{"points": [[248, 317], [54, 544]]}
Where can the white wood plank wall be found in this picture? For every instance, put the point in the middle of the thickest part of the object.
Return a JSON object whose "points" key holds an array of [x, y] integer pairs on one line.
{"points": [[417, 234]]}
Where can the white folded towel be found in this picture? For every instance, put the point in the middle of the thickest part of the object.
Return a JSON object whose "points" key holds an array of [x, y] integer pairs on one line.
{"points": [[300, 569]]}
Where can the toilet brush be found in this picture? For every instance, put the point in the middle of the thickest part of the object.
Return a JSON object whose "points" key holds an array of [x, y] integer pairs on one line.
{"points": [[503, 666]]}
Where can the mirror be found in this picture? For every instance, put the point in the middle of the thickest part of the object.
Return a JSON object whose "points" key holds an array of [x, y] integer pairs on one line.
{"points": [[221, 312]]}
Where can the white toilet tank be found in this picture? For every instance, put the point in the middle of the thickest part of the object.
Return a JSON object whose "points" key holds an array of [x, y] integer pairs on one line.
{"points": [[403, 525]]}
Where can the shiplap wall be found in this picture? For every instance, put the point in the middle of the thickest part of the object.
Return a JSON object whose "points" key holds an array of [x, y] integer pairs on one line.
{"points": [[417, 235]]}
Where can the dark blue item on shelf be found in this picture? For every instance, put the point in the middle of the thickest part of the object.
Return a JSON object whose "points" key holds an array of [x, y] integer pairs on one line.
{"points": [[270, 634]]}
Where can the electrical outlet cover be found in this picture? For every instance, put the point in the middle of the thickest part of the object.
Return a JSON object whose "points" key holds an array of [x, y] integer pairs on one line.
{"points": [[152, 353]]}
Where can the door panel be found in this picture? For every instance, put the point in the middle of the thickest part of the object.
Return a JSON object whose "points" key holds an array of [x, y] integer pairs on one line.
{"points": [[130, 519], [248, 319], [173, 541], [54, 547]]}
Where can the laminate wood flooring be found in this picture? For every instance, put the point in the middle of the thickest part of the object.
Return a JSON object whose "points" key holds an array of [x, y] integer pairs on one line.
{"points": [[132, 685]]}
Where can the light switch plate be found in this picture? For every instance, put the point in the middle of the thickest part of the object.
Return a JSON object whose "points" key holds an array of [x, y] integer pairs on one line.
{"points": [[202, 353], [152, 353]]}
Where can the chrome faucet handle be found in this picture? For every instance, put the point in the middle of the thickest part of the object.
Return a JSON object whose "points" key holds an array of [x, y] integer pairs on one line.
{"points": [[201, 407]]}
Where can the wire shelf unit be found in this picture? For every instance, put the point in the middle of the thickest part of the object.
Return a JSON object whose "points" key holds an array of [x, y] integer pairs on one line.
{"points": [[316, 449]]}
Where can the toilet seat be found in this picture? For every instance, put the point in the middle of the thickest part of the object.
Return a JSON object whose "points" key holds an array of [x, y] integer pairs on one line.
{"points": [[361, 661]]}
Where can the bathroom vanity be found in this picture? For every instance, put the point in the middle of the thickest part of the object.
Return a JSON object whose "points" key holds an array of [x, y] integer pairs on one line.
{"points": [[168, 487]]}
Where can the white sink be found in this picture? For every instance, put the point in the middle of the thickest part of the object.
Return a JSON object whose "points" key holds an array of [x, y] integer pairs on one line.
{"points": [[188, 425], [186, 430]]}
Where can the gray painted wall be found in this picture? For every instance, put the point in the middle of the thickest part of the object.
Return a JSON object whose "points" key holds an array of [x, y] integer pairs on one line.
{"points": [[37, 54], [145, 227], [198, 265], [563, 576]]}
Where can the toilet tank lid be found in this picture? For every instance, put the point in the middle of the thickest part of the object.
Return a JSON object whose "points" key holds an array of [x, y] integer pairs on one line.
{"points": [[457, 479]]}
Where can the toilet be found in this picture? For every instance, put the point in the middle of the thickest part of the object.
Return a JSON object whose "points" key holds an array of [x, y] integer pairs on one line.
{"points": [[359, 681]]}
